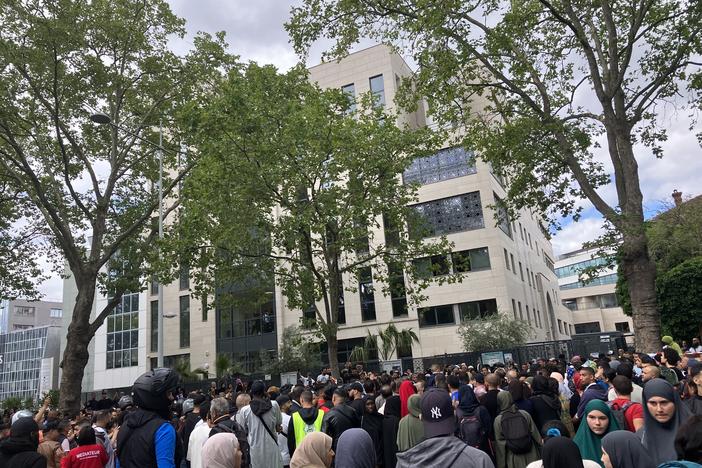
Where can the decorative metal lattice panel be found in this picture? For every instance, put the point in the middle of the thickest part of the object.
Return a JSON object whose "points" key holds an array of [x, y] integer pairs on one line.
{"points": [[449, 215], [448, 163]]}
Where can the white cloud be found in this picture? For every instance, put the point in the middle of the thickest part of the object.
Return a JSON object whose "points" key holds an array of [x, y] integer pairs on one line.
{"points": [[572, 236]]}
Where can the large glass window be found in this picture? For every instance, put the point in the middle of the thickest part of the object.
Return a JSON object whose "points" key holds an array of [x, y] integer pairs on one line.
{"points": [[154, 326], [588, 327], [365, 290], [377, 87], [251, 319], [599, 281], [448, 163], [56, 313], [448, 215], [184, 321], [24, 311], [576, 268], [471, 260], [123, 333], [436, 265], [477, 309], [350, 91], [503, 221], [398, 294], [184, 277], [436, 315]]}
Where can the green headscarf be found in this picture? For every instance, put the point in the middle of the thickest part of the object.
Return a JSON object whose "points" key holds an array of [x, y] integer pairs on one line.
{"points": [[588, 442], [410, 432]]}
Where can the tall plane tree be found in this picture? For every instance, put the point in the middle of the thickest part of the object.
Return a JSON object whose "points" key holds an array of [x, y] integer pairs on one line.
{"points": [[91, 187], [532, 84], [296, 186]]}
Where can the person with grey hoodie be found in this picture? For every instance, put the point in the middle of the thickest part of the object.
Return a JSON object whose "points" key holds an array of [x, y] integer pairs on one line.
{"points": [[441, 448]]}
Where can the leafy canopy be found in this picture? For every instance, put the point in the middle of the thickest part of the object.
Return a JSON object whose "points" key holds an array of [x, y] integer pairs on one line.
{"points": [[498, 331]]}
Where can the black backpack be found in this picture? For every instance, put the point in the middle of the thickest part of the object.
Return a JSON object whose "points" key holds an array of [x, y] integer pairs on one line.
{"points": [[470, 430], [619, 413], [515, 430]]}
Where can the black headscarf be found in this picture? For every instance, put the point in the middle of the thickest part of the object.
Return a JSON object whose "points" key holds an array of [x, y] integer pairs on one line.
{"points": [[540, 385], [392, 406], [468, 402], [625, 450], [560, 452], [659, 439]]}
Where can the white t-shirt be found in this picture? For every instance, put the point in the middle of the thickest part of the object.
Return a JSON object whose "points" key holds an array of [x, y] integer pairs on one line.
{"points": [[197, 439]]}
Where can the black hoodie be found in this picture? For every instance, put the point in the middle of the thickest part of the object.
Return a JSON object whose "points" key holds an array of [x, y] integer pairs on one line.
{"points": [[309, 415], [20, 452], [337, 420]]}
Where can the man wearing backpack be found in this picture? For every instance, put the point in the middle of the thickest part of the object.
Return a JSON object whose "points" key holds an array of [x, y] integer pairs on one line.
{"points": [[306, 419], [628, 414], [474, 422], [517, 440]]}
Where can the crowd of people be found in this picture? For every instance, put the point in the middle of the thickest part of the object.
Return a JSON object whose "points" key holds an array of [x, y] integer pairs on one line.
{"points": [[632, 410]]}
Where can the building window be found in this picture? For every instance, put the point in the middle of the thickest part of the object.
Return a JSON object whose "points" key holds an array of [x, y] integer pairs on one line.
{"points": [[560, 326], [365, 290], [448, 163], [436, 265], [56, 313], [514, 268], [153, 286], [599, 281], [528, 277], [436, 315], [154, 326], [398, 293], [24, 311], [521, 271], [350, 91], [503, 221], [449, 215], [571, 304], [184, 321], [514, 308], [470, 260], [607, 301], [622, 327], [521, 314], [576, 268], [527, 313], [377, 87], [506, 259], [123, 333], [184, 277], [477, 309], [587, 327]]}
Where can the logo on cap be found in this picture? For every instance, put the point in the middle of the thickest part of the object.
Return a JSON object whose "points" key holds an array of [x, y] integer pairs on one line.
{"points": [[436, 412]]}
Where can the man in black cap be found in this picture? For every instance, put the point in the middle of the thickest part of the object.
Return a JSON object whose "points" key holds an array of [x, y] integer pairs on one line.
{"points": [[441, 447], [20, 449], [356, 400]]}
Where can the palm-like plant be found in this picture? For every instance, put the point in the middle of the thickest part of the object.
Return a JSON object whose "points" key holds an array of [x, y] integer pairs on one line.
{"points": [[223, 364], [390, 340], [183, 368]]}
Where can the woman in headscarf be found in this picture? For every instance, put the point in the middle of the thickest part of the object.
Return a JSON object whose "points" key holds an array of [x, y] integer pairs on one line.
{"points": [[410, 431], [505, 457], [520, 396], [561, 452], [597, 422], [623, 449], [406, 390], [469, 406], [547, 406], [391, 422], [372, 423], [314, 452], [221, 451], [664, 413], [354, 450]]}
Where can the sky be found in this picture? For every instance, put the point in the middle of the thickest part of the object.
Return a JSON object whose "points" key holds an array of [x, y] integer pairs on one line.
{"points": [[254, 31]]}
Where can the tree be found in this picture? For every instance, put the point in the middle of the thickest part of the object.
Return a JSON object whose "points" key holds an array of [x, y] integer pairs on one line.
{"points": [[679, 292], [532, 84], [498, 331], [296, 353], [293, 186], [90, 187]]}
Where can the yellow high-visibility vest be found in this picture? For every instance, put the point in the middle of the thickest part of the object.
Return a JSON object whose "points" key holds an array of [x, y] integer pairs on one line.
{"points": [[302, 428]]}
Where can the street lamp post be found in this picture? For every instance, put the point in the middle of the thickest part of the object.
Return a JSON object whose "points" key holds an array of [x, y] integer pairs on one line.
{"points": [[104, 119]]}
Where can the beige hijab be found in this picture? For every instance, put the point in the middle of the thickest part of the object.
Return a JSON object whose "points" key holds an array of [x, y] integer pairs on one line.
{"points": [[312, 452], [220, 451]]}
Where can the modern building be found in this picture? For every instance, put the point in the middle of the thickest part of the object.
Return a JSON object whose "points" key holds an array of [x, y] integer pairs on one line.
{"points": [[29, 360], [20, 314], [510, 267], [594, 303]]}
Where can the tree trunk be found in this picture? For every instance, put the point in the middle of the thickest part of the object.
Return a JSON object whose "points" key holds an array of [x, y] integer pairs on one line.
{"points": [[75, 356], [332, 354], [640, 273]]}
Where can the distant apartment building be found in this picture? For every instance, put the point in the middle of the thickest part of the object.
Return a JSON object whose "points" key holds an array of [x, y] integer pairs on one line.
{"points": [[594, 303], [20, 314]]}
